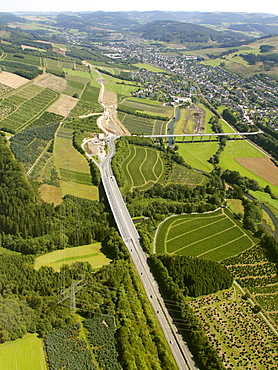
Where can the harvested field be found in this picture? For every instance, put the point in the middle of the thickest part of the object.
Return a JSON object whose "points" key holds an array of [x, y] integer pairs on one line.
{"points": [[86, 253], [261, 166], [50, 194], [63, 105], [110, 98], [11, 79], [53, 82]]}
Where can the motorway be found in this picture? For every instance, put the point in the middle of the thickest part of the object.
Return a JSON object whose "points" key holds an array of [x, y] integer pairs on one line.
{"points": [[131, 238]]}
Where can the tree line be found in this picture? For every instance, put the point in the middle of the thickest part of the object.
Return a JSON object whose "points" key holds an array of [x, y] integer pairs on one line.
{"points": [[192, 329], [264, 140]]}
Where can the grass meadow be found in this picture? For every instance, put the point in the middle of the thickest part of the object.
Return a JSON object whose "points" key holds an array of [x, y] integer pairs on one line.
{"points": [[86, 253], [149, 67], [121, 89], [198, 154], [23, 354], [214, 236]]}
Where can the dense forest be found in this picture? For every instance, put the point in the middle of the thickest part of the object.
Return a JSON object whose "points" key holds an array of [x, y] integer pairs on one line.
{"points": [[29, 298], [173, 288], [171, 31]]}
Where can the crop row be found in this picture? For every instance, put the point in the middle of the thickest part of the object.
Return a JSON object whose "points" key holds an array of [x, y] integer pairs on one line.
{"points": [[183, 226], [24, 58], [83, 124], [229, 249], [266, 289], [29, 109], [26, 93], [78, 177], [201, 246], [261, 269], [206, 233], [67, 134], [253, 256], [159, 127], [166, 225], [137, 124]]}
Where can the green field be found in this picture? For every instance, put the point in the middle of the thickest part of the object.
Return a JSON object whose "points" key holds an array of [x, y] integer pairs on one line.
{"points": [[73, 168], [27, 59], [235, 205], [149, 67], [80, 74], [23, 354], [148, 106], [86, 253], [214, 236], [198, 154], [121, 89], [91, 94], [142, 167]]}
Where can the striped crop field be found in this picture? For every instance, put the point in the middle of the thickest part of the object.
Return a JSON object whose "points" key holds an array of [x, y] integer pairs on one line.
{"points": [[28, 104], [85, 253], [73, 168], [142, 125], [143, 167], [214, 236]]}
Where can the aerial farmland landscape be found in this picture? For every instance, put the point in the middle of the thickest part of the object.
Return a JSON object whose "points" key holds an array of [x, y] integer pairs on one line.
{"points": [[138, 189]]}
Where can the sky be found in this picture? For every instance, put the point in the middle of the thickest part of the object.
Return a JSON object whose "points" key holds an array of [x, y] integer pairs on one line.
{"points": [[248, 6]]}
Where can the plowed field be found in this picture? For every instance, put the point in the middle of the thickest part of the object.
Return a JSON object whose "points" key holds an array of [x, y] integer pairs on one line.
{"points": [[262, 167]]}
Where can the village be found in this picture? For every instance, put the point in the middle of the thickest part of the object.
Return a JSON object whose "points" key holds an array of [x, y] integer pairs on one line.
{"points": [[254, 100]]}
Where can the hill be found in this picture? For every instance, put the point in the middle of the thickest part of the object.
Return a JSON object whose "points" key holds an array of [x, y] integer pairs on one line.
{"points": [[179, 32], [6, 18]]}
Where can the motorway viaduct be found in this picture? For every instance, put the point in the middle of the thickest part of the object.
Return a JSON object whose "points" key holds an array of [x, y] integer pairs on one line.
{"points": [[201, 136], [130, 236]]}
